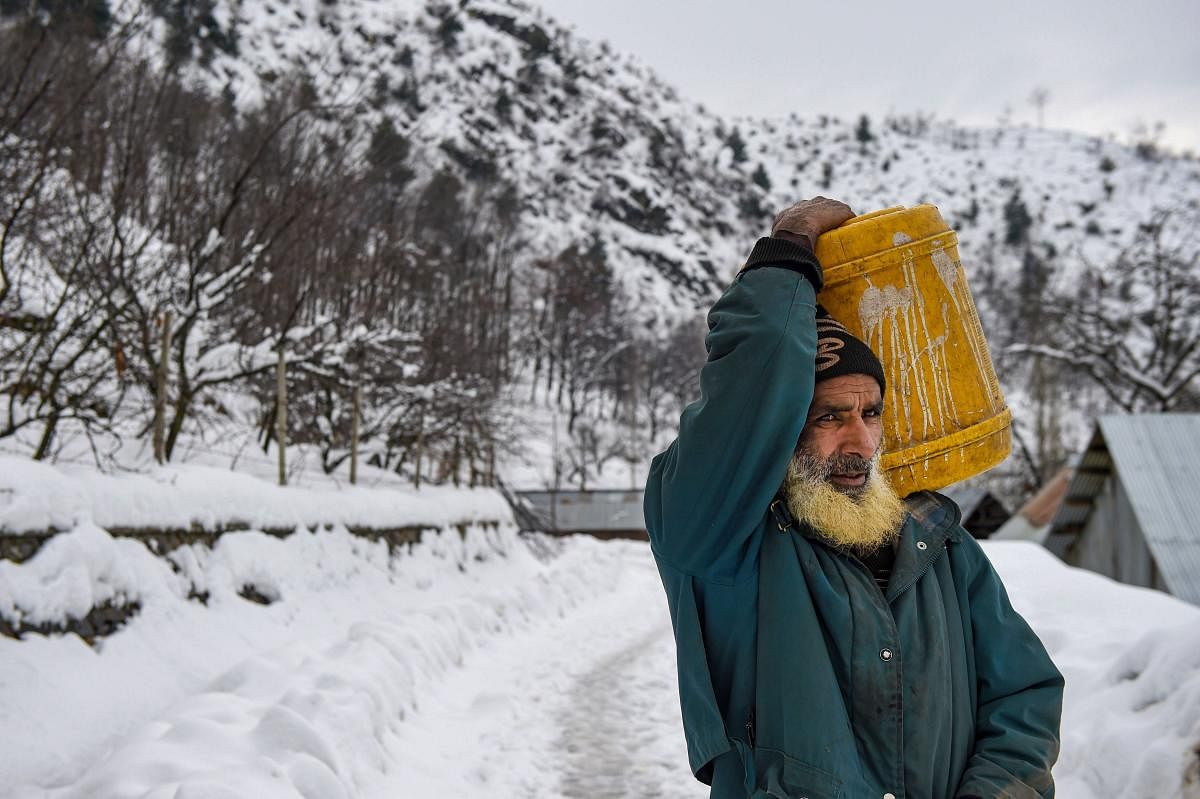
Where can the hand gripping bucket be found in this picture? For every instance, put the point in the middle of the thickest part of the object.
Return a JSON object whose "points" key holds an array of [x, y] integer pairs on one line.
{"points": [[894, 279]]}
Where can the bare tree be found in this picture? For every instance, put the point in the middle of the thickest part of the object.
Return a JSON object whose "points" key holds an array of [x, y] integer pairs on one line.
{"points": [[125, 196], [58, 358], [1133, 328]]}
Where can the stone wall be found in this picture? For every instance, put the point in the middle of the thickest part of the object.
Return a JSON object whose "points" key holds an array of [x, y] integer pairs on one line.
{"points": [[106, 619]]}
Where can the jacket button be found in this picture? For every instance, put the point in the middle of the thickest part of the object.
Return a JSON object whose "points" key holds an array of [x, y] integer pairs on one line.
{"points": [[886, 654], [922, 545], [889, 795]]}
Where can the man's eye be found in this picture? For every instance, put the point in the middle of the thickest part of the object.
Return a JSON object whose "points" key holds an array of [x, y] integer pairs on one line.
{"points": [[827, 417]]}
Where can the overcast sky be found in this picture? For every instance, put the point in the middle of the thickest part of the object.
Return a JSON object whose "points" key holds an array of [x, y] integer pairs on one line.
{"points": [[1106, 65]]}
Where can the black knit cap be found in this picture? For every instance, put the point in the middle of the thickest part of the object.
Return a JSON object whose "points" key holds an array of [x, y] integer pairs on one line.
{"points": [[840, 353]]}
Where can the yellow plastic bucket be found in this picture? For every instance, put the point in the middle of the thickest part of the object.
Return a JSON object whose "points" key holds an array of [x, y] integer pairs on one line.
{"points": [[894, 279]]}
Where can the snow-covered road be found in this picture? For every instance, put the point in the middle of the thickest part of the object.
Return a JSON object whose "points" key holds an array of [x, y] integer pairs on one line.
{"points": [[477, 667], [579, 705]]}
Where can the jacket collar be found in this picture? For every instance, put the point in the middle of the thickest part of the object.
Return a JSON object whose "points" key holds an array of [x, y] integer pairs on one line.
{"points": [[932, 523], [923, 538]]}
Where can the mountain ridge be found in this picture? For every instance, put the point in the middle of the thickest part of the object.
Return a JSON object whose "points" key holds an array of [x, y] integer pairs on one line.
{"points": [[592, 170], [598, 146]]}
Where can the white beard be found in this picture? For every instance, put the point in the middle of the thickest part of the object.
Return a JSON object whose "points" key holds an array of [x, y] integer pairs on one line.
{"points": [[860, 521]]}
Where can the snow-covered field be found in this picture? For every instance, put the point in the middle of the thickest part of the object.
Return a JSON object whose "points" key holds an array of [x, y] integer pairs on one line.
{"points": [[483, 664]]}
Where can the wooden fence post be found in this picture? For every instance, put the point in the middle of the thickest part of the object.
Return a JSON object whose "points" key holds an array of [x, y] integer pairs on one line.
{"points": [[281, 415], [354, 422], [420, 446], [160, 389]]}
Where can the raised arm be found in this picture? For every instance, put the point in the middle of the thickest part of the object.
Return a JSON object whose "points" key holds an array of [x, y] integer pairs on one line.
{"points": [[709, 490]]}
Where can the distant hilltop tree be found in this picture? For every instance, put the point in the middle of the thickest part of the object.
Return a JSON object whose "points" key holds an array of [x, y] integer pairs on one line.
{"points": [[1017, 220], [1038, 99], [761, 178], [863, 131], [737, 146]]}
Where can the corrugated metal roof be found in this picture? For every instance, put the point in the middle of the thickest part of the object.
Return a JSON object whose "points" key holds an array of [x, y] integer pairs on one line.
{"points": [[1093, 468], [1157, 457], [589, 511]]}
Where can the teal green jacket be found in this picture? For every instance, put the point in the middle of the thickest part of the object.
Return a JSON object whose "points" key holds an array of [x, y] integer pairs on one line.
{"points": [[798, 677]]}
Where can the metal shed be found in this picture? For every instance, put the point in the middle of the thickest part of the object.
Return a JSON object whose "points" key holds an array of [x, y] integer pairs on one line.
{"points": [[1132, 508], [1032, 521], [982, 511], [604, 513]]}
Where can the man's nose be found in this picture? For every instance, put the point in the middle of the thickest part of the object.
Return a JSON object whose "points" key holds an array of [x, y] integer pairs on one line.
{"points": [[857, 439]]}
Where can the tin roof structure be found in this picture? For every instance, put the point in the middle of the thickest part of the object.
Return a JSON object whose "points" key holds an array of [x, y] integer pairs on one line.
{"points": [[598, 512], [1032, 521], [982, 511], [1156, 458]]}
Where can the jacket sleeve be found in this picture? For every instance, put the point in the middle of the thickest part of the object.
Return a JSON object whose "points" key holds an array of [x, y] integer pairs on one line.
{"points": [[1019, 703], [708, 491]]}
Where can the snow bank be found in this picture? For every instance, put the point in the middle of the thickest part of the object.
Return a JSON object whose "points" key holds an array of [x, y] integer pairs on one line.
{"points": [[1131, 658], [72, 574], [37, 496], [299, 698]]}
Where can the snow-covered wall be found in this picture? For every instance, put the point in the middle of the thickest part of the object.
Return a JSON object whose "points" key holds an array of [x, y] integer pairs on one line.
{"points": [[37, 497]]}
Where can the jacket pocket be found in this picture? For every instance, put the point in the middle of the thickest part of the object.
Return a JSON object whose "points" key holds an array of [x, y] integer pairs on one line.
{"points": [[784, 777]]}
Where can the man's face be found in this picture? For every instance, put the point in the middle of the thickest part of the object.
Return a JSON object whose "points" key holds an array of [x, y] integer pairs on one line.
{"points": [[844, 430]]}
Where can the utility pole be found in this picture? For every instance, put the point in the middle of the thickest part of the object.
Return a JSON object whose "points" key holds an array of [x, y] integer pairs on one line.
{"points": [[632, 452]]}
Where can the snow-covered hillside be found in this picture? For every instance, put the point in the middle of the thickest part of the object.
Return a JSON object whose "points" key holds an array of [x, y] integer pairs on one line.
{"points": [[609, 168], [481, 664], [597, 144], [598, 149], [594, 143]]}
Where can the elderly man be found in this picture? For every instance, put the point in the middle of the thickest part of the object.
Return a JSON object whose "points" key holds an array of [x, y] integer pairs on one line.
{"points": [[834, 641]]}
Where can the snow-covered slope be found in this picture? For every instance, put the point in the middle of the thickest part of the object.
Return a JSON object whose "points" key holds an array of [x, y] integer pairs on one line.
{"points": [[598, 148], [1085, 196], [1131, 658], [595, 144], [598, 145]]}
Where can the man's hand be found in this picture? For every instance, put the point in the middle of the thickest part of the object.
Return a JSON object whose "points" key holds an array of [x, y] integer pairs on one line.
{"points": [[806, 220]]}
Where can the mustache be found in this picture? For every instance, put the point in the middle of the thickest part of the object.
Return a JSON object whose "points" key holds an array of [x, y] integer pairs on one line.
{"points": [[846, 464], [836, 463]]}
